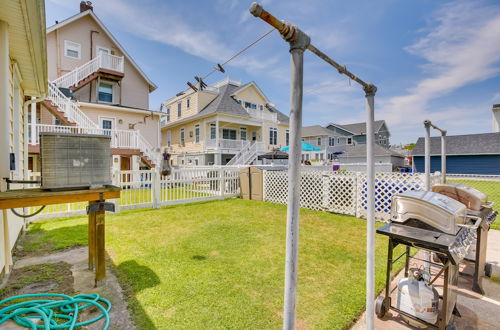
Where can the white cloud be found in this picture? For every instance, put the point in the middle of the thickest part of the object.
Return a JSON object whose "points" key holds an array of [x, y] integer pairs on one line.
{"points": [[460, 48]]}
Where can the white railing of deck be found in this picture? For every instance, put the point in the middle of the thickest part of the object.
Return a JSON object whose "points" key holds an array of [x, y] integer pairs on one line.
{"points": [[101, 61]]}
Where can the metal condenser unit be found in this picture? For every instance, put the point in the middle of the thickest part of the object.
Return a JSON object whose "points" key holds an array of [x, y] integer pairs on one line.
{"points": [[75, 160]]}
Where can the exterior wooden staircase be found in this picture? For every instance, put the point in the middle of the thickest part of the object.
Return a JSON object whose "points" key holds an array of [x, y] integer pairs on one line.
{"points": [[76, 121]]}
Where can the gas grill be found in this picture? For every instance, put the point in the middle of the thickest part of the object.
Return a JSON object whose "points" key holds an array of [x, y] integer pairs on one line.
{"points": [[431, 222], [478, 206]]}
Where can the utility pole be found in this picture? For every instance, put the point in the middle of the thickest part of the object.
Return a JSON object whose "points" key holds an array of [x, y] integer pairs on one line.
{"points": [[299, 42]]}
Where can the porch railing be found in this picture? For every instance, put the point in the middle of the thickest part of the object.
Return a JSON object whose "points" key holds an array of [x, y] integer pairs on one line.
{"points": [[219, 144]]}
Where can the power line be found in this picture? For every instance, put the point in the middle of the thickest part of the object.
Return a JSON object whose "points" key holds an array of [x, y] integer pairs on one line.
{"points": [[329, 84]]}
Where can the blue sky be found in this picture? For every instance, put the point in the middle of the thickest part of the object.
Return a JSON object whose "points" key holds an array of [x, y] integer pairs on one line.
{"points": [[429, 59]]}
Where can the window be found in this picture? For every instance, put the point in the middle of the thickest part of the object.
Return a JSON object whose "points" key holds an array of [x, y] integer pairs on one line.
{"points": [[338, 140], [229, 134], [182, 136], [169, 138], [331, 141], [188, 102], [249, 105], [213, 131], [243, 133], [107, 125], [72, 49], [168, 113], [319, 141], [273, 136], [105, 92], [197, 133], [349, 140], [287, 137], [239, 101], [179, 110], [261, 107]]}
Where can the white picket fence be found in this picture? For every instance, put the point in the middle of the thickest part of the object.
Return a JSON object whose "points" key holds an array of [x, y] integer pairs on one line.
{"points": [[343, 193], [149, 189]]}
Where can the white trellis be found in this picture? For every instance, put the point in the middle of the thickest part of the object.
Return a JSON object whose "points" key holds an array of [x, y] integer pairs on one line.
{"points": [[344, 193]]}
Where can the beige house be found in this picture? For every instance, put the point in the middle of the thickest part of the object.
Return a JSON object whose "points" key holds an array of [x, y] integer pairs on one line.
{"points": [[225, 123], [23, 79], [97, 88]]}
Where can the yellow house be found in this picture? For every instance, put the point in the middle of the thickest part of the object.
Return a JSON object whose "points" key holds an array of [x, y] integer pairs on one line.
{"points": [[23, 80], [225, 123]]}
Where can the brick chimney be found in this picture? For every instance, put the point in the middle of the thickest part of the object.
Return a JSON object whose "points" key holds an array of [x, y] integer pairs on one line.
{"points": [[86, 5]]}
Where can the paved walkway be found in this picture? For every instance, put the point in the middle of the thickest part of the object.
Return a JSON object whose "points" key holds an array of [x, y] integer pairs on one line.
{"points": [[480, 312]]}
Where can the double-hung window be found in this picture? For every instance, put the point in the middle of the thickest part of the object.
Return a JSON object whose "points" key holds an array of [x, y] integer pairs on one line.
{"points": [[331, 141], [197, 133], [349, 140], [182, 137], [243, 133], [319, 141], [273, 136], [168, 113], [72, 49], [213, 131], [179, 110], [105, 92], [169, 138], [287, 137]]}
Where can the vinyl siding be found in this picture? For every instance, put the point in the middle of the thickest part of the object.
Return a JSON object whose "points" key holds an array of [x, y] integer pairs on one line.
{"points": [[474, 164]]}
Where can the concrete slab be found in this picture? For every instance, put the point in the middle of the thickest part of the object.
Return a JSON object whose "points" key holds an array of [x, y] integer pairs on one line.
{"points": [[84, 283], [493, 253]]}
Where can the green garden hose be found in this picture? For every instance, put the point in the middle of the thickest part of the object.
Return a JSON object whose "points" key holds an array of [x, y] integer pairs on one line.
{"points": [[59, 313]]}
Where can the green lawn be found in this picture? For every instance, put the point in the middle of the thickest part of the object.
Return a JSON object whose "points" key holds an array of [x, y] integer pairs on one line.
{"points": [[490, 188], [220, 265]]}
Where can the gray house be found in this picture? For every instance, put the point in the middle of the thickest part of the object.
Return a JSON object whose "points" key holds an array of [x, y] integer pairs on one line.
{"points": [[465, 154], [357, 154], [356, 133]]}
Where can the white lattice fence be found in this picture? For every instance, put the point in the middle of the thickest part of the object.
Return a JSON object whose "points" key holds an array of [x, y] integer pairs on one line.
{"points": [[324, 191], [386, 186]]}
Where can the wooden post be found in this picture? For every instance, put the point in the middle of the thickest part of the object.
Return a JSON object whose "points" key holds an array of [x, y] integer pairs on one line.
{"points": [[91, 238], [100, 273]]}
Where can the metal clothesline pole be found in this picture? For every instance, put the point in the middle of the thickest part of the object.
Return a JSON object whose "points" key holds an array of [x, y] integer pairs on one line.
{"points": [[428, 124], [299, 42]]}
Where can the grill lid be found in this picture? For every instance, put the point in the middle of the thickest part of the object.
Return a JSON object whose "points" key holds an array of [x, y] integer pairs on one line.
{"points": [[471, 197], [432, 209]]}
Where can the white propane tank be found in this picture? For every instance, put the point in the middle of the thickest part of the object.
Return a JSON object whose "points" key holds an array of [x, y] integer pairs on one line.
{"points": [[418, 298], [471, 254]]}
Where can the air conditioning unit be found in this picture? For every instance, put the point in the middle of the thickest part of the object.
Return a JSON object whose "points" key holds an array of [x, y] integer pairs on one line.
{"points": [[71, 161]]}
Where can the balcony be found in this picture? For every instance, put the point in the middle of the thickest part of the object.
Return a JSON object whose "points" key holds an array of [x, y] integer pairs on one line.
{"points": [[225, 145], [263, 115]]}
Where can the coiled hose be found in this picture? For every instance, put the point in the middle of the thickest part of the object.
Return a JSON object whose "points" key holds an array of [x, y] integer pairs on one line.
{"points": [[64, 309]]}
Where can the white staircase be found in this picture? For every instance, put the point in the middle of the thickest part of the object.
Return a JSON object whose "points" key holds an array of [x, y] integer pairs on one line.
{"points": [[247, 154], [83, 124]]}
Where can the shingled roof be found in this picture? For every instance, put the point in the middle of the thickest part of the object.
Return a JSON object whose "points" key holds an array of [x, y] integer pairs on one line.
{"points": [[359, 150], [360, 128], [471, 144], [315, 130]]}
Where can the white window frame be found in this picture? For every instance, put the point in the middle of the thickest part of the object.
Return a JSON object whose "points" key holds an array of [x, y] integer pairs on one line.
{"points": [[98, 48], [168, 114], [182, 136], [197, 133], [169, 138], [243, 129], [188, 102], [112, 91], [331, 141], [349, 140], [179, 109], [273, 136], [318, 141], [227, 129], [111, 119], [71, 45], [287, 137], [213, 129]]}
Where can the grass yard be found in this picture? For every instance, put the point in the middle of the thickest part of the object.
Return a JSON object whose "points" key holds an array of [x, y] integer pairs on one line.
{"points": [[220, 265], [490, 188]]}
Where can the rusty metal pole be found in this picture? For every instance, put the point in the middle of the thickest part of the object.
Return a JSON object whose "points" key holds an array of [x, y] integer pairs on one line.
{"points": [[443, 156], [427, 154], [298, 44]]}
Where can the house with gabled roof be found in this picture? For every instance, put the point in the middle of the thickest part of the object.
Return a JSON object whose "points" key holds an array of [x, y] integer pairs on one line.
{"points": [[465, 154], [96, 87], [224, 123], [332, 139]]}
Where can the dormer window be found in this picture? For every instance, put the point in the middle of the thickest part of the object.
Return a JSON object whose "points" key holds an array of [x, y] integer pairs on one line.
{"points": [[249, 105]]}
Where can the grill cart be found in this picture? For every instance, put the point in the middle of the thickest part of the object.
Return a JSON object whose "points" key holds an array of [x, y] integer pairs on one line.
{"points": [[438, 224]]}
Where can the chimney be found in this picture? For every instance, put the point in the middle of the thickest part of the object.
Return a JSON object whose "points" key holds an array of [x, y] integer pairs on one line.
{"points": [[86, 5]]}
